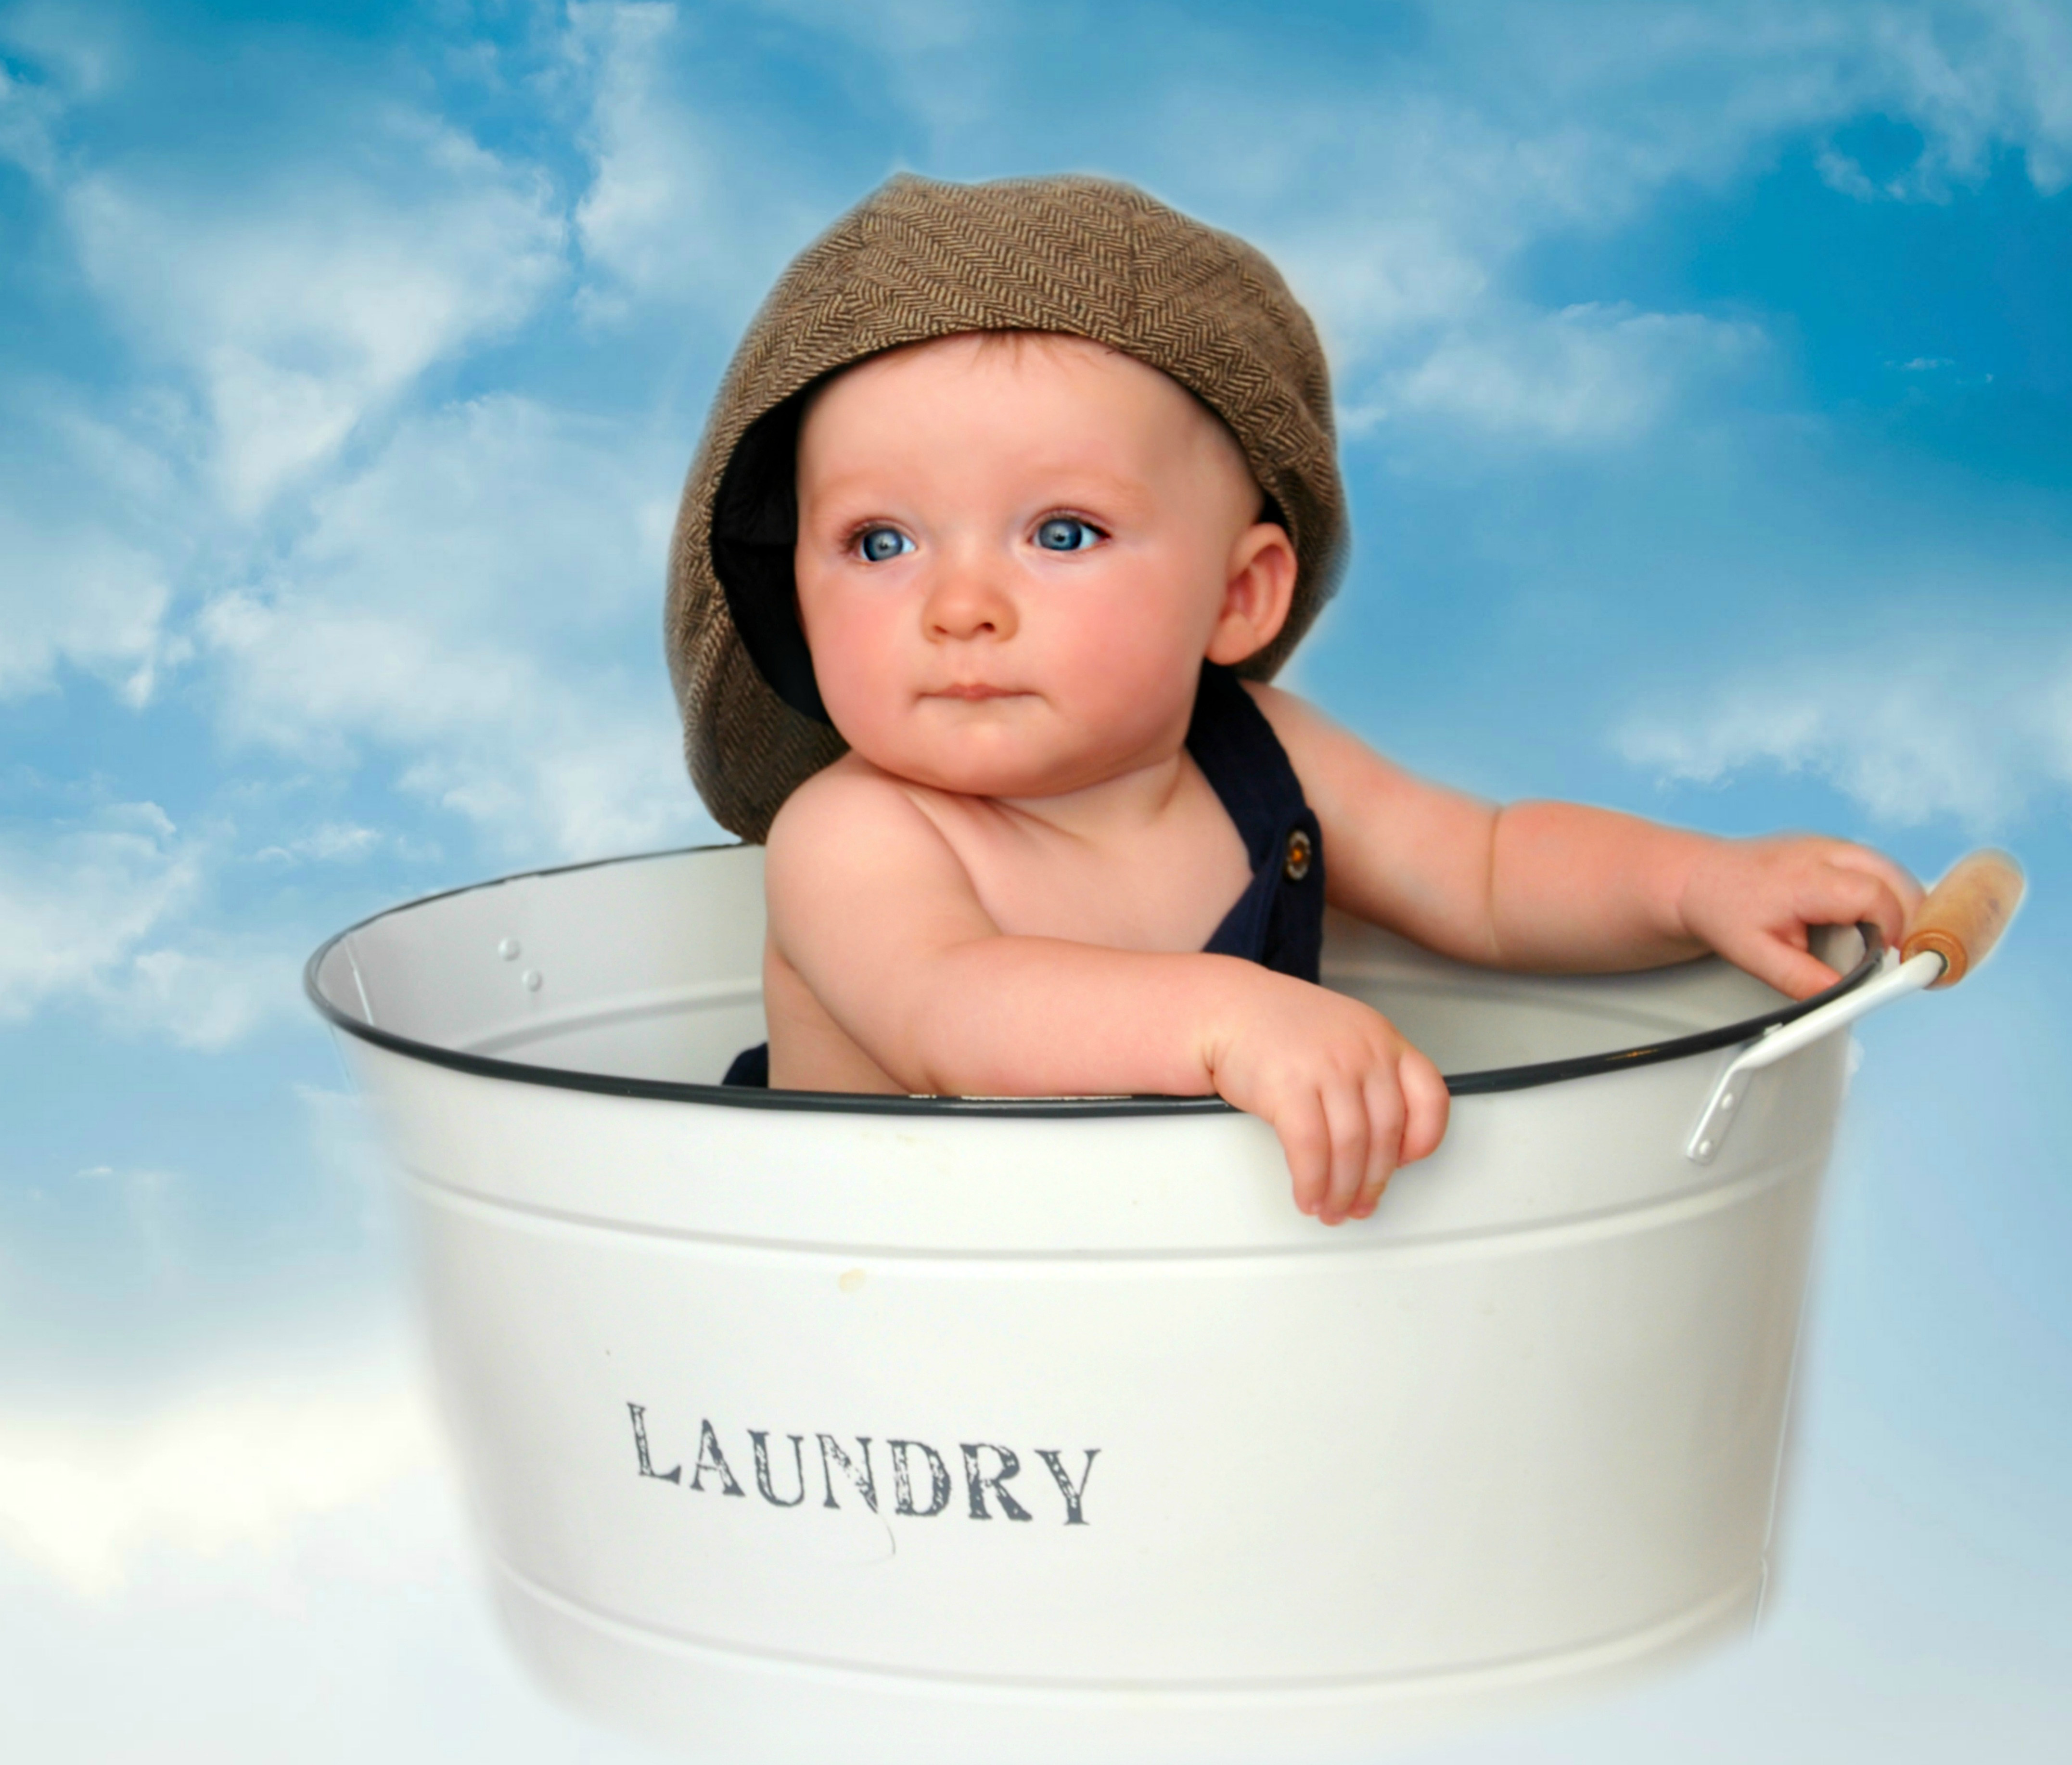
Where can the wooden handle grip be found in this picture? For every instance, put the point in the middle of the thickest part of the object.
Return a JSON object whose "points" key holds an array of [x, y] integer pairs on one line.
{"points": [[1965, 913]]}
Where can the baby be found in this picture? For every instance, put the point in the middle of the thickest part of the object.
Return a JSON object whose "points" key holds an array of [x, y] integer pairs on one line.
{"points": [[1007, 488]]}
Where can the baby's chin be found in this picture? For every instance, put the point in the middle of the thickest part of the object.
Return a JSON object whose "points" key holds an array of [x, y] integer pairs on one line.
{"points": [[969, 769]]}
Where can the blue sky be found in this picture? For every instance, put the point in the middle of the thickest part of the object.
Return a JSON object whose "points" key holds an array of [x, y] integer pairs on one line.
{"points": [[1705, 379]]}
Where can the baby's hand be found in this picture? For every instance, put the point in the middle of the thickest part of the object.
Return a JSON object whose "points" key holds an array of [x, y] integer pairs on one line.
{"points": [[1754, 900], [1349, 1097]]}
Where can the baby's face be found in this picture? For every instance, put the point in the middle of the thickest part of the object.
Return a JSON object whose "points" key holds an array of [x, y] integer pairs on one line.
{"points": [[1014, 554]]}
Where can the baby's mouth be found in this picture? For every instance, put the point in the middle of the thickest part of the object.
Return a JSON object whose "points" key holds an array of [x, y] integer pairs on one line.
{"points": [[974, 690]]}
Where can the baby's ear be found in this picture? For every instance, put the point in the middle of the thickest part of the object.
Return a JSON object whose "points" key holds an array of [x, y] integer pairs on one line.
{"points": [[1257, 594]]}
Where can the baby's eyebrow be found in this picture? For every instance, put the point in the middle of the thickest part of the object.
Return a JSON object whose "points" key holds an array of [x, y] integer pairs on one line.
{"points": [[842, 497], [853, 496], [1077, 484]]}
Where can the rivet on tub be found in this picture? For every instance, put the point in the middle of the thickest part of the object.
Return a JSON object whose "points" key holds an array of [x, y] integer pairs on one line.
{"points": [[533, 978], [508, 949]]}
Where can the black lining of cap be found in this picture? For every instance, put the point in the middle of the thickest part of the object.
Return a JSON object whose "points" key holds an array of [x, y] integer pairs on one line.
{"points": [[755, 530]]}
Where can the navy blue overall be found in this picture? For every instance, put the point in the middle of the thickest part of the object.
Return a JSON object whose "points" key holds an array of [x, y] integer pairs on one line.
{"points": [[1279, 919]]}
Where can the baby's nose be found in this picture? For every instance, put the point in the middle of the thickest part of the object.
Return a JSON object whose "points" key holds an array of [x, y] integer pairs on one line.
{"points": [[966, 603]]}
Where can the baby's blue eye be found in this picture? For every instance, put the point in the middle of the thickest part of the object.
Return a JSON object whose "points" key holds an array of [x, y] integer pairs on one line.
{"points": [[877, 544], [1066, 533]]}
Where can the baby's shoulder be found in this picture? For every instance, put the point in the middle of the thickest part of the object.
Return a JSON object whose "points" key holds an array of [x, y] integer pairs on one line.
{"points": [[851, 812], [848, 794]]}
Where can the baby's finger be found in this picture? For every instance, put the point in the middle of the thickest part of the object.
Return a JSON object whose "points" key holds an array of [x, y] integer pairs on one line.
{"points": [[1427, 1105], [1346, 1108], [1845, 894], [1795, 973], [1906, 887], [1305, 1142], [1385, 1111]]}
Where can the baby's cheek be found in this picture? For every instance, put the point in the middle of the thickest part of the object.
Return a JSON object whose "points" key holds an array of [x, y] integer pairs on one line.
{"points": [[858, 680], [1133, 678]]}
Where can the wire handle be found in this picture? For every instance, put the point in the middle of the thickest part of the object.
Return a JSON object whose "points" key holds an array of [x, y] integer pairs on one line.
{"points": [[1965, 913], [1950, 935]]}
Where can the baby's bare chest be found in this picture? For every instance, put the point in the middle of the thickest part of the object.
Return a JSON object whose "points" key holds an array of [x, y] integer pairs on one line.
{"points": [[1166, 885]]}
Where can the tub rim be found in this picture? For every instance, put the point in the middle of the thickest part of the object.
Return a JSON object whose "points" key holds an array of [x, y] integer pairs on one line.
{"points": [[1481, 1083]]}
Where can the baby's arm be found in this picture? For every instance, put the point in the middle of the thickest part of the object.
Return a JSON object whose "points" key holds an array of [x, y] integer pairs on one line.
{"points": [[1560, 888], [871, 907]]}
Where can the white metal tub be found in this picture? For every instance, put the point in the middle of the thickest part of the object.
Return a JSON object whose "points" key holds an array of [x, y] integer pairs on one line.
{"points": [[904, 1428]]}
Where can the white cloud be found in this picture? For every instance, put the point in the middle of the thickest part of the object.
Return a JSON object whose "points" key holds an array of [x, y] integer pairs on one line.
{"points": [[62, 54], [645, 221], [1393, 214], [98, 525], [1972, 77], [1840, 172], [208, 995], [146, 1198], [83, 48], [273, 1566], [677, 208], [350, 1150], [28, 114], [1969, 75], [1911, 741], [97, 911], [1406, 270], [1400, 203], [75, 901], [311, 300], [458, 605], [1586, 373], [952, 67], [76, 593], [1397, 216], [907, 28], [89, 1505], [331, 842]]}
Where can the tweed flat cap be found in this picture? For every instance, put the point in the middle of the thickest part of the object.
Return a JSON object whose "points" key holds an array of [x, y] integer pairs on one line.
{"points": [[916, 260]]}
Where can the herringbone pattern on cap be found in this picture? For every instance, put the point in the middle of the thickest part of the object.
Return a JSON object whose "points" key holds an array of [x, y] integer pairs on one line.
{"points": [[918, 260]]}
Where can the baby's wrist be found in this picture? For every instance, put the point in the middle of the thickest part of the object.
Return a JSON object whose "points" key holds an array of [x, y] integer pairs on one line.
{"points": [[1687, 864], [1227, 1004]]}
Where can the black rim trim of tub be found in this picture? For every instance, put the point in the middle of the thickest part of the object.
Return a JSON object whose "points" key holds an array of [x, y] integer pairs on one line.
{"points": [[1460, 1085]]}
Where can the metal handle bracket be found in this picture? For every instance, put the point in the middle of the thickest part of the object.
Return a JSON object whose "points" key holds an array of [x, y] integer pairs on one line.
{"points": [[1730, 1093]]}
